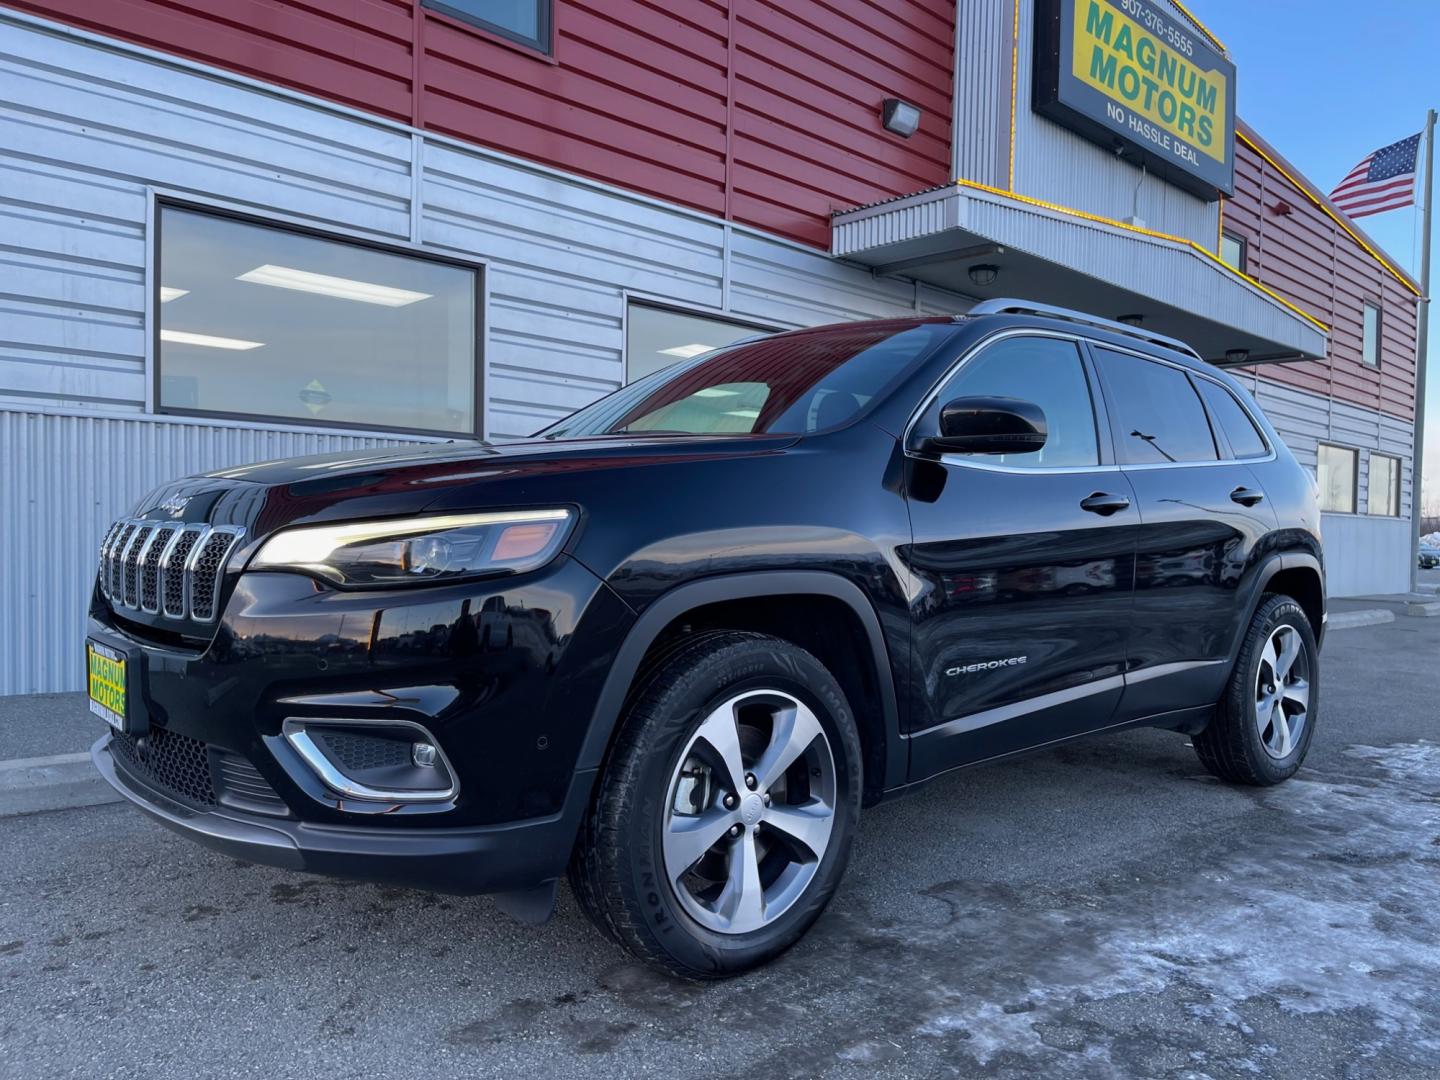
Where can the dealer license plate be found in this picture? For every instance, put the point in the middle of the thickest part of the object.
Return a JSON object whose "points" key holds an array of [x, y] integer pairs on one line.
{"points": [[107, 683]]}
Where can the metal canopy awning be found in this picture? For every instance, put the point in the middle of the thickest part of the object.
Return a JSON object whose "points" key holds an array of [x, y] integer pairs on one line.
{"points": [[1062, 257]]}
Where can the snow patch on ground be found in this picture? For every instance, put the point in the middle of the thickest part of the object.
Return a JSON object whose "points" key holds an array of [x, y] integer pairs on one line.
{"points": [[1331, 906]]}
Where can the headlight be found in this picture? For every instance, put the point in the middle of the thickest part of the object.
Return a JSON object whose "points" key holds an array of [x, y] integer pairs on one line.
{"points": [[400, 550]]}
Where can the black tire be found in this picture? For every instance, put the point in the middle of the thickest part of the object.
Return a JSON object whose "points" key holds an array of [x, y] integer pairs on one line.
{"points": [[1232, 746], [618, 869]]}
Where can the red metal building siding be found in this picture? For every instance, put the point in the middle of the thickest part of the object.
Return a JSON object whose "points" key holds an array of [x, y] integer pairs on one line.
{"points": [[1309, 259], [766, 112]]}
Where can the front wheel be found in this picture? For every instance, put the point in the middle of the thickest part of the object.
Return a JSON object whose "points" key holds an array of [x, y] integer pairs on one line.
{"points": [[725, 815], [1263, 725]]}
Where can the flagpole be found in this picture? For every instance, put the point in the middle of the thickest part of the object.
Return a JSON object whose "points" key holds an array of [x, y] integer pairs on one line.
{"points": [[1422, 344]]}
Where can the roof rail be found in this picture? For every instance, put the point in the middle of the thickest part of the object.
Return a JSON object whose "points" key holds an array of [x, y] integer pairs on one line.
{"points": [[1010, 306]]}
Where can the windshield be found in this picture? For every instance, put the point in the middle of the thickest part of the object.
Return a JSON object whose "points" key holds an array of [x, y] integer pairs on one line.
{"points": [[788, 384]]}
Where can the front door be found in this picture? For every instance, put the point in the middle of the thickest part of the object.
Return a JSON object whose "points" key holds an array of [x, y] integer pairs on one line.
{"points": [[1023, 564]]}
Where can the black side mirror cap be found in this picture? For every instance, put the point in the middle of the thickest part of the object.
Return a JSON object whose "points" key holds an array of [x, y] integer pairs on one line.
{"points": [[988, 425]]}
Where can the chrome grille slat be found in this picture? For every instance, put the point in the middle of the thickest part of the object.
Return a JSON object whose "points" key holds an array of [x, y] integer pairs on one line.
{"points": [[150, 568], [172, 570], [116, 563], [130, 569], [202, 572], [166, 568], [105, 546]]}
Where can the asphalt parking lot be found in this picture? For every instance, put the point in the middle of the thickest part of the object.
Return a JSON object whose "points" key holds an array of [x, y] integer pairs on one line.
{"points": [[1104, 909]]}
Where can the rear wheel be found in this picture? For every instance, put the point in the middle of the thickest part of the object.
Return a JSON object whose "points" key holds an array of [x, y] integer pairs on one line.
{"points": [[727, 809], [1264, 723]]}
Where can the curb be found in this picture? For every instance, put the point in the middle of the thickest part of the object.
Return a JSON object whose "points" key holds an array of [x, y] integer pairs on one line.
{"points": [[56, 782], [1349, 620]]}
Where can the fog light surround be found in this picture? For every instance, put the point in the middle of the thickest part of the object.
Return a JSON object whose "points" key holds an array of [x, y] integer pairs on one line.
{"points": [[374, 760]]}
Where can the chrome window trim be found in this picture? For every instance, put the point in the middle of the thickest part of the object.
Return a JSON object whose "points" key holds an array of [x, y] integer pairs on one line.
{"points": [[967, 462], [293, 729]]}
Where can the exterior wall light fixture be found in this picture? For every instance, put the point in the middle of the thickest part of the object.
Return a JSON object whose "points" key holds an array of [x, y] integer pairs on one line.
{"points": [[983, 274], [900, 117], [1130, 320], [1236, 356]]}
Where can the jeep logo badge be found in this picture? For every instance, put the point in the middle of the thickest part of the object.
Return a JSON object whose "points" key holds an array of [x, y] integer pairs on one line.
{"points": [[175, 505]]}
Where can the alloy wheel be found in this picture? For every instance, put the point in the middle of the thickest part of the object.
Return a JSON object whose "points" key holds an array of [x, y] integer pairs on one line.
{"points": [[750, 812], [1282, 691]]}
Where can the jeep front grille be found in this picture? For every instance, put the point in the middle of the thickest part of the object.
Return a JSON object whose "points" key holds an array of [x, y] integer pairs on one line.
{"points": [[165, 568]]}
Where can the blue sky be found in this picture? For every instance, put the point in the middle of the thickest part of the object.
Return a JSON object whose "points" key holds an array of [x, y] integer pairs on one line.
{"points": [[1326, 83]]}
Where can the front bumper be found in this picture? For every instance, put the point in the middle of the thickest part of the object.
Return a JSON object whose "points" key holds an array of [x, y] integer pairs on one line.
{"points": [[497, 858], [501, 674]]}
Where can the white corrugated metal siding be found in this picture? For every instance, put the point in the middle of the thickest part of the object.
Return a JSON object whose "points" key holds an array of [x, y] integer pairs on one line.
{"points": [[67, 476], [983, 30], [91, 128], [1364, 555]]}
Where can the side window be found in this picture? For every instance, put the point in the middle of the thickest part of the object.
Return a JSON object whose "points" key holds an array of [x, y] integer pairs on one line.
{"points": [[1157, 415], [1232, 250], [1245, 438], [1047, 372], [1336, 468], [1383, 497], [1370, 336]]}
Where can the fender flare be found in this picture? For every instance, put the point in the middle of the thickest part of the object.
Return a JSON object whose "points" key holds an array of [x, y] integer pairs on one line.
{"points": [[675, 603], [1274, 564]]}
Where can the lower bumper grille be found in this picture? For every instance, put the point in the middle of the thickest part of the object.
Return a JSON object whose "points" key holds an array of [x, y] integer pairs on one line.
{"points": [[197, 775], [176, 764]]}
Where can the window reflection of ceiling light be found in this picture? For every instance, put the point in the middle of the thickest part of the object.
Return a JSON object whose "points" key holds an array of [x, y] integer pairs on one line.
{"points": [[209, 341], [686, 351], [167, 294], [715, 391], [287, 277], [744, 414]]}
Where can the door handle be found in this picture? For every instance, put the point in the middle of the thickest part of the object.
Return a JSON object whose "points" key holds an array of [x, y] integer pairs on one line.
{"points": [[1104, 504], [1246, 496]]}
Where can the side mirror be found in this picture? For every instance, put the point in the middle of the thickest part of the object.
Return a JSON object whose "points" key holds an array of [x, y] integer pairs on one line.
{"points": [[988, 425]]}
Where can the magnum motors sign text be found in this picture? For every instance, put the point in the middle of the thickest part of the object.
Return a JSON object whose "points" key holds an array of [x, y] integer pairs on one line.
{"points": [[1137, 79]]}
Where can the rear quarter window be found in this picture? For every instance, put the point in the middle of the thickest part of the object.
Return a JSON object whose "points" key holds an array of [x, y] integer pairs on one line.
{"points": [[1244, 437]]}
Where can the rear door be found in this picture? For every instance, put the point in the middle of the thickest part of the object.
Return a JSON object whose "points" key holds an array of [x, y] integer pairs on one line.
{"points": [[1023, 566], [1203, 515]]}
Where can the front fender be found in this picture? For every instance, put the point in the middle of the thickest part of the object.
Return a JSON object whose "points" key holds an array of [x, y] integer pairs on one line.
{"points": [[673, 604]]}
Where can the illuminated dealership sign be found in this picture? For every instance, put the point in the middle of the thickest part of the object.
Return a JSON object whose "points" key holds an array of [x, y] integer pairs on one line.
{"points": [[1136, 79]]}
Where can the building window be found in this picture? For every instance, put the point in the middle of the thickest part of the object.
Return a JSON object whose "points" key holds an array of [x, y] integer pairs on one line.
{"points": [[1336, 470], [1383, 490], [259, 321], [1370, 344], [1233, 250], [525, 21], [656, 337]]}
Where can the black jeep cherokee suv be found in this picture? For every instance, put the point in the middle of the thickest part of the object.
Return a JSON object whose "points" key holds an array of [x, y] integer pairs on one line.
{"points": [[676, 641]]}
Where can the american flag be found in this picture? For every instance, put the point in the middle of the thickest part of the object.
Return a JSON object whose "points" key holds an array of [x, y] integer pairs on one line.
{"points": [[1385, 180]]}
